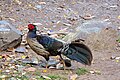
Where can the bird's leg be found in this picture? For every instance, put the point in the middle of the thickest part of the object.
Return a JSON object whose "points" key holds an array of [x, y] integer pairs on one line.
{"points": [[46, 65], [64, 66], [47, 59]]}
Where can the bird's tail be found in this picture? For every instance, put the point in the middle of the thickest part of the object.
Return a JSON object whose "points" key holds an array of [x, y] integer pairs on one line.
{"points": [[78, 52]]}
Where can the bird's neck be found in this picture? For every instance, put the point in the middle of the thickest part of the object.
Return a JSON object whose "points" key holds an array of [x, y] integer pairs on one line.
{"points": [[31, 34]]}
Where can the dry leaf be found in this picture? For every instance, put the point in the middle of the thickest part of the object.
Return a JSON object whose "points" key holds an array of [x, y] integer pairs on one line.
{"points": [[45, 71], [23, 57], [17, 1], [87, 17], [119, 17], [30, 69], [0, 71], [117, 60], [0, 57], [73, 77], [42, 2]]}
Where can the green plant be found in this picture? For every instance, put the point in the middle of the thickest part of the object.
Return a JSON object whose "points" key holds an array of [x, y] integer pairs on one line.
{"points": [[118, 40], [23, 77], [81, 71], [54, 76]]}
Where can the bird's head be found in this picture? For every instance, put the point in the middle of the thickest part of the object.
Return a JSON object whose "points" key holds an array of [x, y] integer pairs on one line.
{"points": [[32, 27]]}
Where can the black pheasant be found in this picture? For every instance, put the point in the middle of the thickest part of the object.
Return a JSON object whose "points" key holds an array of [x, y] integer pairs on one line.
{"points": [[46, 46]]}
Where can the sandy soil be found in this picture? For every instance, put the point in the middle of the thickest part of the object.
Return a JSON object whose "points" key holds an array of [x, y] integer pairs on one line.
{"points": [[59, 14]]}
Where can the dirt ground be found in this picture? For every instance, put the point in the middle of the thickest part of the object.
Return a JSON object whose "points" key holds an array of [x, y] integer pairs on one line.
{"points": [[56, 15]]}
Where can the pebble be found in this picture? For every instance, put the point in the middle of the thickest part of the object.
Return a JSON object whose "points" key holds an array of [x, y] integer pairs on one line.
{"points": [[35, 60], [52, 67], [117, 58], [42, 3], [87, 17], [7, 71], [92, 72], [37, 23], [66, 24], [47, 78], [20, 49], [27, 47], [3, 76], [118, 28], [59, 66], [39, 7], [12, 67], [95, 72]]}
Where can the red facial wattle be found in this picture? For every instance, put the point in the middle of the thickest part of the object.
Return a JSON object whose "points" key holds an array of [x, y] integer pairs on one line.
{"points": [[31, 27]]}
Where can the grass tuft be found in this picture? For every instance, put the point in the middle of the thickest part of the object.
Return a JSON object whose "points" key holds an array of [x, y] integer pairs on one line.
{"points": [[81, 71]]}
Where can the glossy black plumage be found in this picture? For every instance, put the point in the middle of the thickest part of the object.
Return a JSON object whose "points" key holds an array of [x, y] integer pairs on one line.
{"points": [[46, 46]]}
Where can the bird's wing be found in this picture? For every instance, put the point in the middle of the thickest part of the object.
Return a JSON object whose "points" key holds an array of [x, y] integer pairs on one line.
{"points": [[49, 43], [37, 47]]}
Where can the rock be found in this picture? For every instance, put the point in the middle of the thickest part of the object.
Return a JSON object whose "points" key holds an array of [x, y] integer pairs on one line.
{"points": [[20, 49], [87, 28], [59, 66], [39, 7], [51, 63], [35, 60], [10, 37], [32, 61]]}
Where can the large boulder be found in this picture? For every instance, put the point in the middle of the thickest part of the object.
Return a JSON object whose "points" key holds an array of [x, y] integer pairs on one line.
{"points": [[10, 37], [87, 28]]}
